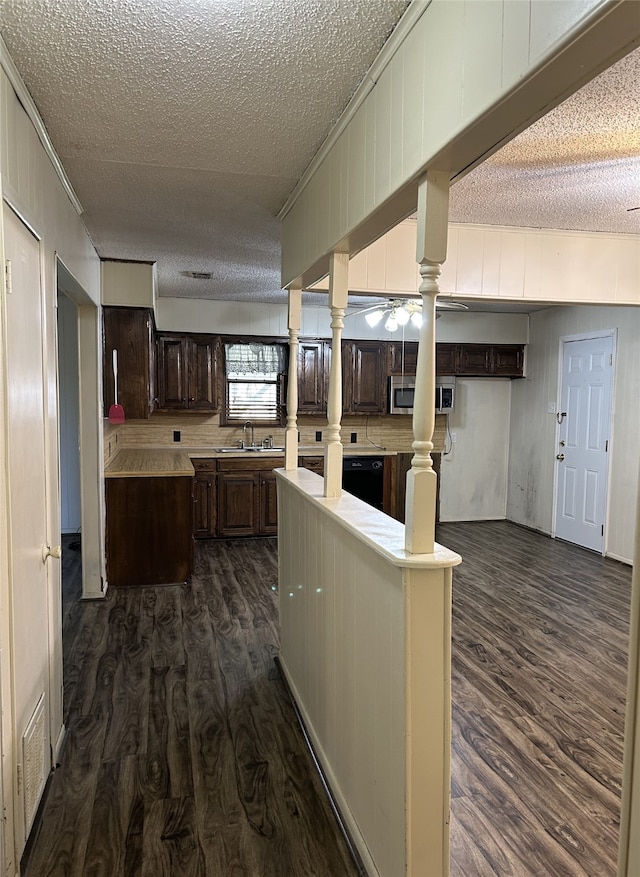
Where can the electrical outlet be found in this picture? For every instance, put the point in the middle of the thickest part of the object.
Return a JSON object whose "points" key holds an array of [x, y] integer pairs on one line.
{"points": [[454, 437], [318, 435], [354, 438], [176, 435]]}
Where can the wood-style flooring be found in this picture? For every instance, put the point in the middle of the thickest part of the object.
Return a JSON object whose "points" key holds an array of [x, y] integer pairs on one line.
{"points": [[539, 662], [183, 756]]}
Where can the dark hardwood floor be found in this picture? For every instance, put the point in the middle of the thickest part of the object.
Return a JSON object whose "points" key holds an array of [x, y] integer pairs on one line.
{"points": [[183, 756], [539, 665]]}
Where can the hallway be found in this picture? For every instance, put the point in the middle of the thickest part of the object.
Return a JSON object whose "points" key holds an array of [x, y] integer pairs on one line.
{"points": [[183, 755]]}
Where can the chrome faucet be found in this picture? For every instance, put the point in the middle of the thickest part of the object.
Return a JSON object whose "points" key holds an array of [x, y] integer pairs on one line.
{"points": [[244, 434]]}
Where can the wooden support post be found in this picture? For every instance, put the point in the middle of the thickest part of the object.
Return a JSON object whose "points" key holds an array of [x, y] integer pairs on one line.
{"points": [[291, 434], [420, 510], [338, 289]]}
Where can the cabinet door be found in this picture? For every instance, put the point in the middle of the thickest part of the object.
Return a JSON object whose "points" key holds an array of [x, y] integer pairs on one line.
{"points": [[130, 332], [312, 377], [237, 504], [508, 360], [446, 359], [204, 505], [364, 370], [268, 504], [313, 464], [202, 373], [172, 371], [475, 360], [403, 357]]}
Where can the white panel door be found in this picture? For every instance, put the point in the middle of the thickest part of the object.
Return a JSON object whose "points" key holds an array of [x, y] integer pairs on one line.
{"points": [[28, 515], [583, 465]]}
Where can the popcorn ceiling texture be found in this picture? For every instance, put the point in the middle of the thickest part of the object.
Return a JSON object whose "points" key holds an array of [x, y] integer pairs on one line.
{"points": [[185, 124], [576, 168]]}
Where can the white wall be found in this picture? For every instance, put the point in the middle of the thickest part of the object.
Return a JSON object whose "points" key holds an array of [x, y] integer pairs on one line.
{"points": [[255, 318], [533, 428], [473, 476], [69, 385], [34, 190]]}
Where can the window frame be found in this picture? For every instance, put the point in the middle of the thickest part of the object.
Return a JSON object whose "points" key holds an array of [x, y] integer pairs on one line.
{"points": [[280, 381]]}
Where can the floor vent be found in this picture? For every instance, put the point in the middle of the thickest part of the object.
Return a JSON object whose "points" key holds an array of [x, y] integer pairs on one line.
{"points": [[34, 759]]}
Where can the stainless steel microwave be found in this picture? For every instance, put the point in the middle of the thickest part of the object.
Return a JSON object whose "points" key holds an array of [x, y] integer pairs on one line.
{"points": [[402, 392]]}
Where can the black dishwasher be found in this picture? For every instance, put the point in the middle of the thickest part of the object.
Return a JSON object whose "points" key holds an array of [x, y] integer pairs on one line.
{"points": [[364, 477]]}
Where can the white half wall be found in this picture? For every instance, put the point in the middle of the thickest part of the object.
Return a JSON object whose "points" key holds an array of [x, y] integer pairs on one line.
{"points": [[473, 475], [533, 427]]}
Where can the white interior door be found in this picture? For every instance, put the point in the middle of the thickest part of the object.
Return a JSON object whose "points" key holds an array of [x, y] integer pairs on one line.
{"points": [[583, 441], [28, 522]]}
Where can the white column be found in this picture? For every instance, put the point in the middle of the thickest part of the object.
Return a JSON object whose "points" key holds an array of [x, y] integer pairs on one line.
{"points": [[291, 434], [420, 509], [338, 289]]}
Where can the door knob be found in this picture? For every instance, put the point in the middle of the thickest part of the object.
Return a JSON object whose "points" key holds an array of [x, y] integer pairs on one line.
{"points": [[559, 456], [51, 551]]}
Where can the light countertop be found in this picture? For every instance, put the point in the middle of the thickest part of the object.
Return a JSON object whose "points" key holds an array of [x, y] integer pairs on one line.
{"points": [[145, 461]]}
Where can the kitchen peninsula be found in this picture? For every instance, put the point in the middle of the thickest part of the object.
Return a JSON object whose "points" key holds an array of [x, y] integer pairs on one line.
{"points": [[149, 517]]}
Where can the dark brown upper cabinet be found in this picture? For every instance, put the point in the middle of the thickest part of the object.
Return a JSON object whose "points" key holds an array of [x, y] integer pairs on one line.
{"points": [[130, 331], [490, 360], [403, 357], [314, 359], [446, 359], [187, 372], [364, 377]]}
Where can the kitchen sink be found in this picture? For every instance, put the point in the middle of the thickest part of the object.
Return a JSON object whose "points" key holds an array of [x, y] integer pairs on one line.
{"points": [[258, 449]]}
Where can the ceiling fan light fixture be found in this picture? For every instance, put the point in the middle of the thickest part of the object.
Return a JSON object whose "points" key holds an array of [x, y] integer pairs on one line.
{"points": [[416, 319], [374, 317], [392, 323], [402, 315]]}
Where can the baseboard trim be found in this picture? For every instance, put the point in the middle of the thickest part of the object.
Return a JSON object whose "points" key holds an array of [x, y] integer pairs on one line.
{"points": [[352, 837], [618, 558], [57, 749]]}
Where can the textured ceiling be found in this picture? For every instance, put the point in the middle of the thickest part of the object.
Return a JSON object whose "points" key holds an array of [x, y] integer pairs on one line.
{"points": [[184, 124], [576, 168]]}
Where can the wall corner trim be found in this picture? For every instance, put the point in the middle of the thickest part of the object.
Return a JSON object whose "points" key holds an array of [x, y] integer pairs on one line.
{"points": [[9, 67]]}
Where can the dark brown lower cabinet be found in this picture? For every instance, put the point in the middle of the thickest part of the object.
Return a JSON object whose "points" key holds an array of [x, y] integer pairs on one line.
{"points": [[268, 504], [149, 530], [204, 499], [246, 497], [237, 504]]}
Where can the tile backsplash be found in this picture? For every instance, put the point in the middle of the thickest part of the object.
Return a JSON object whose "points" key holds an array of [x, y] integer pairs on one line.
{"points": [[393, 433]]}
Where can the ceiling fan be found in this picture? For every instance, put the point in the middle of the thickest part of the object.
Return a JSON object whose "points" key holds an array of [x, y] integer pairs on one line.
{"points": [[399, 312]]}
